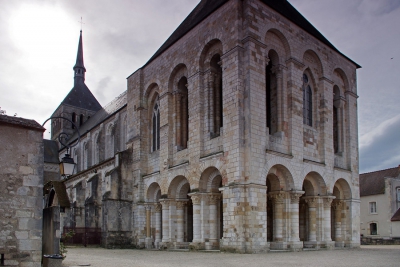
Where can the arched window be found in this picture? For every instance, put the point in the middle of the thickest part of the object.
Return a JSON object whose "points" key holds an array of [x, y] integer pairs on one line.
{"points": [[85, 156], [110, 141], [156, 126], [182, 114], [96, 149], [336, 120], [73, 120], [268, 78], [81, 120], [216, 108], [307, 101]]}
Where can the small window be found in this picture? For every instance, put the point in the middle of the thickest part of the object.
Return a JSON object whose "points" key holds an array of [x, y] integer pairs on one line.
{"points": [[398, 194], [373, 227], [307, 101], [372, 207]]}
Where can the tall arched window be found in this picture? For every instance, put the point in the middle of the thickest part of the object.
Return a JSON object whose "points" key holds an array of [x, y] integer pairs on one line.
{"points": [[182, 114], [216, 108], [156, 126], [307, 101], [268, 78], [336, 126]]}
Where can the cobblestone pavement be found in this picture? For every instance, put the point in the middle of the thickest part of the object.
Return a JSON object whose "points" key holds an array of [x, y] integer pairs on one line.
{"points": [[364, 256]]}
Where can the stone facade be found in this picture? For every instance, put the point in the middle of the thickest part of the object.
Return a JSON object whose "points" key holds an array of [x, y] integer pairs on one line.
{"points": [[241, 135], [21, 172]]}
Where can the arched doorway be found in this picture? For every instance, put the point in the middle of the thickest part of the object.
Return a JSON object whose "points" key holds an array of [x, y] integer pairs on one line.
{"points": [[340, 219], [212, 212], [282, 209], [315, 213], [178, 214]]}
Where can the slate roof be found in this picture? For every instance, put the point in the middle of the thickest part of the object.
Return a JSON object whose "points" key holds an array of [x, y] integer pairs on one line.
{"points": [[81, 97], [21, 122], [61, 192], [118, 103], [50, 151], [373, 183], [396, 216], [207, 7]]}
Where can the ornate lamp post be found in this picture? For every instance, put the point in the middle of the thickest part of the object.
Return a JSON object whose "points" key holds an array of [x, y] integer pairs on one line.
{"points": [[67, 164]]}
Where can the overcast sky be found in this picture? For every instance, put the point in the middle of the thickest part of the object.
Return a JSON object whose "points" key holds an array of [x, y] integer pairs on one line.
{"points": [[39, 38]]}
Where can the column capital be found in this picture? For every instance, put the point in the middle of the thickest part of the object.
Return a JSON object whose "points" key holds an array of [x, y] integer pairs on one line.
{"points": [[196, 198], [165, 203], [148, 206], [295, 196], [158, 207], [213, 199], [312, 201], [337, 204], [328, 201], [277, 196], [180, 204]]}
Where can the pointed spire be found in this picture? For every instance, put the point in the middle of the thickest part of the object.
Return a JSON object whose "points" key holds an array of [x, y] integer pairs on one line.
{"points": [[79, 67]]}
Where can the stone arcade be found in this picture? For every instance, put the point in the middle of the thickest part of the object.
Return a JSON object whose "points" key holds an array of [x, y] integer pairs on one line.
{"points": [[239, 134]]}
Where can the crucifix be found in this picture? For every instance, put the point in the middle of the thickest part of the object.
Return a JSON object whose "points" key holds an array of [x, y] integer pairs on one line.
{"points": [[81, 22]]}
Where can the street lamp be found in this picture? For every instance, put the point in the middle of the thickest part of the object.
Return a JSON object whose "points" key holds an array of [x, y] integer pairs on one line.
{"points": [[67, 164]]}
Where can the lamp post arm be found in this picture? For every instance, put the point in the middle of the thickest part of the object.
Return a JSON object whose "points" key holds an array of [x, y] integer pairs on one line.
{"points": [[64, 136]]}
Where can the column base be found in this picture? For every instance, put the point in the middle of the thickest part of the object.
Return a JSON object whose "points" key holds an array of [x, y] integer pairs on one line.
{"points": [[329, 244], [212, 244], [339, 244], [149, 243], [280, 245], [181, 245], [195, 246], [295, 246], [312, 245], [157, 243], [351, 244]]}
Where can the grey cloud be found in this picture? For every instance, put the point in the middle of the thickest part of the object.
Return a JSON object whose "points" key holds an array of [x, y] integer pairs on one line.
{"points": [[380, 148]]}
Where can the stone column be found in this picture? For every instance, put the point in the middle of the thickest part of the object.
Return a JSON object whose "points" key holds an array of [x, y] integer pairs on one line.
{"points": [[312, 218], [327, 221], [196, 200], [158, 209], [165, 220], [277, 201], [213, 202], [337, 206], [180, 207], [294, 219], [148, 227]]}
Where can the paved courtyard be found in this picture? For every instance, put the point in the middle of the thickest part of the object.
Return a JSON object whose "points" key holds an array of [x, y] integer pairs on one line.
{"points": [[364, 256]]}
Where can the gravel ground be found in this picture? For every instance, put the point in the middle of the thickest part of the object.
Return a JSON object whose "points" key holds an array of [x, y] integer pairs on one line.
{"points": [[364, 256]]}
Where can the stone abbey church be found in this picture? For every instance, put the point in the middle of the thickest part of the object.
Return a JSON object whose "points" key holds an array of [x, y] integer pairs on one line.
{"points": [[239, 134]]}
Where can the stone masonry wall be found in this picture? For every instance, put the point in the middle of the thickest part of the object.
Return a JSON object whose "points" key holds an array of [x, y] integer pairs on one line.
{"points": [[21, 178]]}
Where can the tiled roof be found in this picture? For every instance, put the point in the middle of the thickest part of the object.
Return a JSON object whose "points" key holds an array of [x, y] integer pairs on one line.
{"points": [[396, 216], [21, 122], [81, 97], [207, 7], [61, 192], [373, 183]]}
